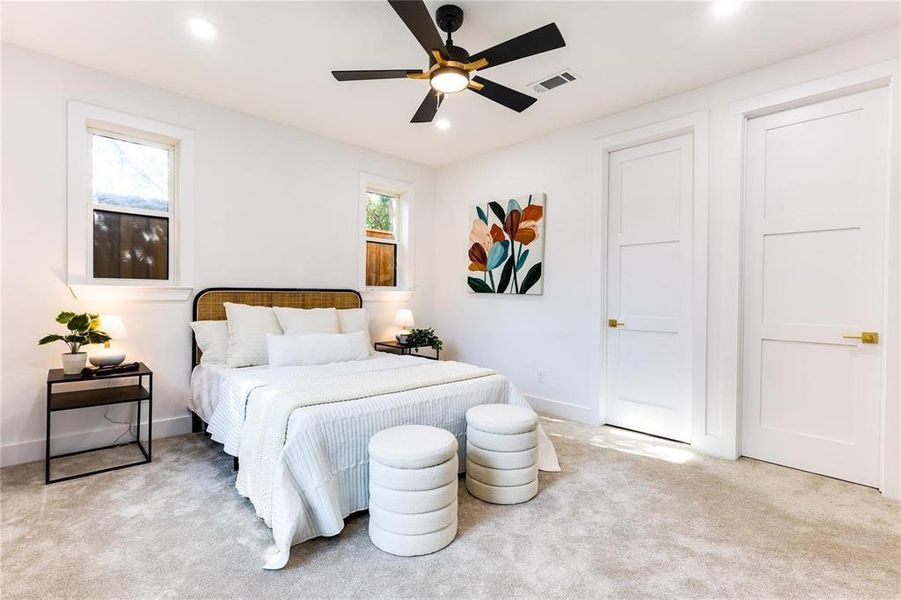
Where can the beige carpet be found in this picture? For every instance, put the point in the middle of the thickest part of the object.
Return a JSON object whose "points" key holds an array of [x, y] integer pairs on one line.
{"points": [[630, 516]]}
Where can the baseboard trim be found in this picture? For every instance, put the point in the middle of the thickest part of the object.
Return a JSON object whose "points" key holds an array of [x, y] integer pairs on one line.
{"points": [[560, 410], [32, 450]]}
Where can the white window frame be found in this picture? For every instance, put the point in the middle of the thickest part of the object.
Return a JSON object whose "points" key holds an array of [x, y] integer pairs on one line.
{"points": [[403, 191], [84, 122]]}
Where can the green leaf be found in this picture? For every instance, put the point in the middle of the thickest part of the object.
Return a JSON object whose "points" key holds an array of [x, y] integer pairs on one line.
{"points": [[498, 211], [478, 286], [97, 337], [513, 205], [498, 254], [79, 323], [506, 274], [531, 278], [50, 338], [522, 259], [64, 317], [482, 214]]}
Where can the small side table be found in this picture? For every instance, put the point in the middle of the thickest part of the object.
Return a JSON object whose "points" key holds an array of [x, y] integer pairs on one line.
{"points": [[105, 396], [395, 347]]}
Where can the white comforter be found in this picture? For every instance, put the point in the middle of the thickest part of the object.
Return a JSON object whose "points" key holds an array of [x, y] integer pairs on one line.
{"points": [[323, 473]]}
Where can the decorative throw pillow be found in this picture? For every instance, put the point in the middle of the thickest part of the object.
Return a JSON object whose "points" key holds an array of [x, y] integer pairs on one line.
{"points": [[212, 339], [247, 329], [351, 320], [298, 321], [316, 348]]}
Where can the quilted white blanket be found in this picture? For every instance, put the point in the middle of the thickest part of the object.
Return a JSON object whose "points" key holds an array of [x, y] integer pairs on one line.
{"points": [[321, 473], [267, 422]]}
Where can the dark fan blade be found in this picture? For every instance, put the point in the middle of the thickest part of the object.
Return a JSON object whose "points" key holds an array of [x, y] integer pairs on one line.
{"points": [[373, 74], [428, 108], [416, 17], [535, 42], [504, 95]]}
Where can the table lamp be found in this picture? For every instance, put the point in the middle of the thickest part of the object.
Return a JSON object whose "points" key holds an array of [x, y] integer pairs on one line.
{"points": [[109, 356], [404, 320]]}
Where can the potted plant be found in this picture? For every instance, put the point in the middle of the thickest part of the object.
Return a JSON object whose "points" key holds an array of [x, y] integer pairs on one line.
{"points": [[424, 337], [83, 329]]}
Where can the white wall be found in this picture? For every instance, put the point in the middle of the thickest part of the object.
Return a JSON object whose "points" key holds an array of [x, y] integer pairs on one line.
{"points": [[258, 182], [559, 331], [275, 207]]}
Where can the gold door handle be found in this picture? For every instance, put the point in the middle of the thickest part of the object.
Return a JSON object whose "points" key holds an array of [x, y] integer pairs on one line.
{"points": [[865, 337], [614, 323]]}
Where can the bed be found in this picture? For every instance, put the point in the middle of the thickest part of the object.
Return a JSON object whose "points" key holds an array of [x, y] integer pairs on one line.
{"points": [[303, 465]]}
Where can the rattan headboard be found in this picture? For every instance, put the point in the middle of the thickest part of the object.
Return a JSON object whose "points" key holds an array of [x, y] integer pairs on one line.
{"points": [[208, 303]]}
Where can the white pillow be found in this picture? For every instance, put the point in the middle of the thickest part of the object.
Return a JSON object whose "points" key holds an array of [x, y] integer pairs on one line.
{"points": [[316, 348], [212, 339], [296, 321], [247, 329], [351, 320]]}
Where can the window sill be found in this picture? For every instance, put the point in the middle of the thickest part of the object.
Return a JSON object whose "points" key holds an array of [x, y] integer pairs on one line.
{"points": [[130, 292], [392, 295]]}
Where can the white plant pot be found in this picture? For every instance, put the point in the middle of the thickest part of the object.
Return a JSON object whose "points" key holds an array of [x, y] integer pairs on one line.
{"points": [[74, 363]]}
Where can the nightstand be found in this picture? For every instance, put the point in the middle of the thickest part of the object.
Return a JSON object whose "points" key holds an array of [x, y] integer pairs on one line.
{"points": [[395, 347], [101, 396]]}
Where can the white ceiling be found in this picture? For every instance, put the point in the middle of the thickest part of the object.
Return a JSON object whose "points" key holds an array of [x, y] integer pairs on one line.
{"points": [[273, 59]]}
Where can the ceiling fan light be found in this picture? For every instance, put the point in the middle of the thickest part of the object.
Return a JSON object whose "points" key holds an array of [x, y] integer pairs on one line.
{"points": [[449, 80]]}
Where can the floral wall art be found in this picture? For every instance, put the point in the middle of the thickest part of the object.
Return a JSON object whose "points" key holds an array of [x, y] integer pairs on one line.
{"points": [[506, 246]]}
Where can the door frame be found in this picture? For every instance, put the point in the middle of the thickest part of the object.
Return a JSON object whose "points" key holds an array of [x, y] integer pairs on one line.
{"points": [[884, 74], [697, 124]]}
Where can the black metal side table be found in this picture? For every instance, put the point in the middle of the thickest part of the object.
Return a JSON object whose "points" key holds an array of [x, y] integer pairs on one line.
{"points": [[105, 396], [395, 347]]}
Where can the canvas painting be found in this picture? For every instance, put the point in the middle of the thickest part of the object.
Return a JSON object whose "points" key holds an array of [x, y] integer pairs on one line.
{"points": [[506, 246]]}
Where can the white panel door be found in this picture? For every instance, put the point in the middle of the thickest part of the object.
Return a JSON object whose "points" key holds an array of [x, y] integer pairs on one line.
{"points": [[814, 270], [648, 378]]}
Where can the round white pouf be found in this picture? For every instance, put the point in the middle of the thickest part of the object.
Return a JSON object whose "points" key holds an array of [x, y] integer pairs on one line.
{"points": [[413, 502], [412, 446], [412, 489], [411, 545], [513, 442], [502, 418], [501, 477], [501, 460], [494, 494], [502, 453]]}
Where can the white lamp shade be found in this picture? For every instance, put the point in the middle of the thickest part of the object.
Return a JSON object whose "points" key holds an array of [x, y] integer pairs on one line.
{"points": [[404, 318], [112, 325]]}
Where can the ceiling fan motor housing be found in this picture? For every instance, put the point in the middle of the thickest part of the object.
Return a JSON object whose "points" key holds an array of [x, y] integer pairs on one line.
{"points": [[449, 18], [457, 53]]}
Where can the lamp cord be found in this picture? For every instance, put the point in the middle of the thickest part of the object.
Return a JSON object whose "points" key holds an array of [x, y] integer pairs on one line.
{"points": [[128, 431]]}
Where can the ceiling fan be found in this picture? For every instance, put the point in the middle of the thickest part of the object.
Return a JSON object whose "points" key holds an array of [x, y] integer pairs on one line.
{"points": [[451, 67]]}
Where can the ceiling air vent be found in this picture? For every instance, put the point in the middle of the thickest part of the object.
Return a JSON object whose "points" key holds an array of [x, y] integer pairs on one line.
{"points": [[554, 81]]}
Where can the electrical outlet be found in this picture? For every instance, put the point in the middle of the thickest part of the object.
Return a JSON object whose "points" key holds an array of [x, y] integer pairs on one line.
{"points": [[541, 374]]}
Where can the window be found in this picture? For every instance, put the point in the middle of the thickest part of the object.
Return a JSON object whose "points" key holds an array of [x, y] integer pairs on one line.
{"points": [[381, 240], [130, 210], [385, 232], [132, 191]]}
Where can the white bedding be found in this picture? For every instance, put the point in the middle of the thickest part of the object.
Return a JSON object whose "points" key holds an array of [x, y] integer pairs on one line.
{"points": [[323, 473]]}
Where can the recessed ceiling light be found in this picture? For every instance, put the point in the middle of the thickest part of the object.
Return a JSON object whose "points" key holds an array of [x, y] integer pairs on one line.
{"points": [[723, 9], [442, 124], [201, 28]]}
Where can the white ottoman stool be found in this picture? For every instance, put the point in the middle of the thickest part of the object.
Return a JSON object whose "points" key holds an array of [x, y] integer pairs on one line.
{"points": [[502, 453], [412, 489]]}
